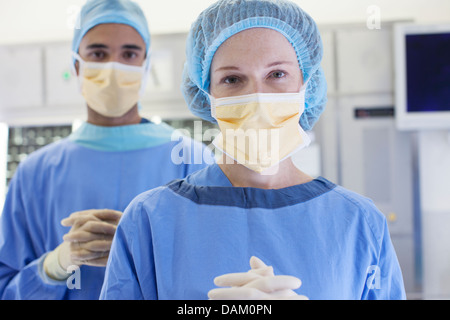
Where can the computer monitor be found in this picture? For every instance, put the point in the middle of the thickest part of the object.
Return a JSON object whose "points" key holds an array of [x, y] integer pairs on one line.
{"points": [[422, 76]]}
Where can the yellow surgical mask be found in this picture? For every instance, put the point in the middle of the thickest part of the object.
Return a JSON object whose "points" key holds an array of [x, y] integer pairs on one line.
{"points": [[111, 88], [260, 130]]}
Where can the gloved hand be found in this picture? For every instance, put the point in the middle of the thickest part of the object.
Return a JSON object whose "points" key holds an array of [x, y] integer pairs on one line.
{"points": [[259, 283], [89, 240]]}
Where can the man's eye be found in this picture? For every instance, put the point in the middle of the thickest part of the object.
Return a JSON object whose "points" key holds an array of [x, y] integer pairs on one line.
{"points": [[98, 55], [130, 55]]}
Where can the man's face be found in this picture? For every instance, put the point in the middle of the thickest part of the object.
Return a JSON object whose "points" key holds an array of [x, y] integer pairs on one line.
{"points": [[113, 42]]}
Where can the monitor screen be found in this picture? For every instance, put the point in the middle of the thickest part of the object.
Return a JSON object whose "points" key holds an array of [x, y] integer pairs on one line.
{"points": [[428, 72], [422, 76]]}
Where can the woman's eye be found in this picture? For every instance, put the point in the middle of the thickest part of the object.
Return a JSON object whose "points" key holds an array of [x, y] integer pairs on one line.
{"points": [[231, 80], [278, 74]]}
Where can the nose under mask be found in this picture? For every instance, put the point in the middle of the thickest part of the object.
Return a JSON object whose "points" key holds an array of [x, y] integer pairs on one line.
{"points": [[111, 88], [260, 130]]}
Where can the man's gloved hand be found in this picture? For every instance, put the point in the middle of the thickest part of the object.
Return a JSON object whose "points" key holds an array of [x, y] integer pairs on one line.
{"points": [[89, 240], [259, 283]]}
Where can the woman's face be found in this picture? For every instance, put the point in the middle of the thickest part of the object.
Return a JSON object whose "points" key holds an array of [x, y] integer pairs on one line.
{"points": [[257, 60]]}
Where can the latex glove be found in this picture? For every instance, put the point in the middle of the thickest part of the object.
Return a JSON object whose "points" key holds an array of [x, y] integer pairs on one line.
{"points": [[259, 283], [89, 240]]}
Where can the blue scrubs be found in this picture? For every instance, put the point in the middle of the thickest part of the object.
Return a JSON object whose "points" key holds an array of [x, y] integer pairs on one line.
{"points": [[94, 168], [173, 240]]}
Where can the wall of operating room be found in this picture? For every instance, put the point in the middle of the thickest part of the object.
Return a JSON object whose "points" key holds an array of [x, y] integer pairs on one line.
{"points": [[356, 143]]}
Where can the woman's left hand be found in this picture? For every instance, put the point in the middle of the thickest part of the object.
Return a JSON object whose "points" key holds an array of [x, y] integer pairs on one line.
{"points": [[259, 283]]}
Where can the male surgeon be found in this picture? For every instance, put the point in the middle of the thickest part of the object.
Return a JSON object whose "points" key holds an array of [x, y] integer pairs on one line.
{"points": [[66, 199]]}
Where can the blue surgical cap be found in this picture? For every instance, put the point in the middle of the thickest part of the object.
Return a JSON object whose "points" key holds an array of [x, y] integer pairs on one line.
{"points": [[225, 18], [96, 12]]}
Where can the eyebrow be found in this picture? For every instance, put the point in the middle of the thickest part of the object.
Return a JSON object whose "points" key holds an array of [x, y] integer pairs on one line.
{"points": [[270, 65], [277, 63], [226, 68], [103, 46], [132, 47], [97, 46]]}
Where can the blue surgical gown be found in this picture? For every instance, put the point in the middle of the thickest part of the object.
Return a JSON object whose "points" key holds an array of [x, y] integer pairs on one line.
{"points": [[173, 240], [94, 168]]}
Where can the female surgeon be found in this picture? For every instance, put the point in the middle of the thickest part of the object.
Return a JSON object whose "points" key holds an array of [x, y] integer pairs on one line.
{"points": [[253, 226], [55, 231]]}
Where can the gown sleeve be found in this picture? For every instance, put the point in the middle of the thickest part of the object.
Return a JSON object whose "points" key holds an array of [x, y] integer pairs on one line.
{"points": [[384, 279], [21, 251], [131, 261]]}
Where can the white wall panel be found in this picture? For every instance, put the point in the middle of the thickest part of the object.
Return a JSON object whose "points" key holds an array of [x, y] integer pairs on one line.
{"points": [[364, 60], [21, 77], [61, 85]]}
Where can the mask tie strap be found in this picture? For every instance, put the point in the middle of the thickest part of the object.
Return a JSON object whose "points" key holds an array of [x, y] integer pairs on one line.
{"points": [[211, 103], [147, 69], [76, 57]]}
